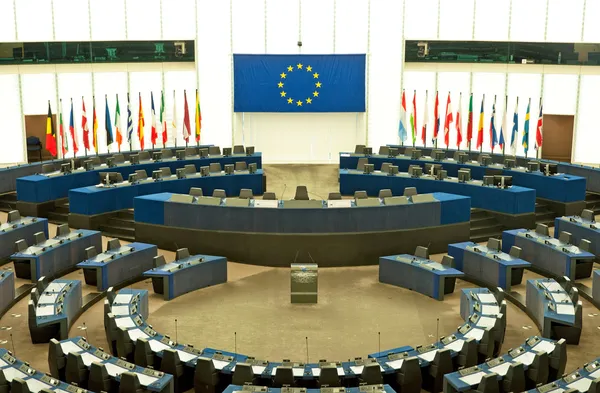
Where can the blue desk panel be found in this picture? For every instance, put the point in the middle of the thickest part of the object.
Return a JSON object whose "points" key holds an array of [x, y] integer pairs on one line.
{"points": [[60, 302], [579, 380], [7, 290], [40, 188], [157, 209], [548, 253], [579, 229], [489, 266], [97, 200], [422, 275], [514, 200], [189, 274], [58, 254], [550, 304], [25, 228], [591, 174]]}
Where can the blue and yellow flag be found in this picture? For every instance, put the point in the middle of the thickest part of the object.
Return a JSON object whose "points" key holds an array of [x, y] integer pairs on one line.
{"points": [[299, 83], [526, 129]]}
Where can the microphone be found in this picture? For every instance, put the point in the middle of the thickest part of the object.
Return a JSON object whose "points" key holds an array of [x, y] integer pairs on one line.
{"points": [[378, 344], [176, 340], [296, 257], [307, 350], [437, 332], [284, 188], [234, 345]]}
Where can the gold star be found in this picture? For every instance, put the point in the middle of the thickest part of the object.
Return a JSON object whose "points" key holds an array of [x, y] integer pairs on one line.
{"points": [[299, 103], [290, 68], [318, 84], [308, 69], [290, 100], [316, 75], [315, 93], [283, 75], [299, 65], [283, 93], [309, 100], [280, 85]]}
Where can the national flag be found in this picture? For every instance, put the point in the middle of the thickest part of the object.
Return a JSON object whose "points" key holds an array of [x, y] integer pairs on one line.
{"points": [[141, 123], [448, 121], [118, 124], [539, 136], [413, 119], [504, 126], [163, 118], [493, 134], [174, 119], [72, 130], [480, 128], [525, 141], [187, 130], [198, 118], [129, 121], [436, 115], [64, 143], [402, 125], [84, 127], [107, 123], [154, 133], [50, 133], [425, 119], [515, 129], [470, 121], [459, 122], [94, 125]]}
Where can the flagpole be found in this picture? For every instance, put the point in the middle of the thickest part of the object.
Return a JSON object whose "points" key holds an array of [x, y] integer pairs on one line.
{"points": [[537, 148], [503, 125]]}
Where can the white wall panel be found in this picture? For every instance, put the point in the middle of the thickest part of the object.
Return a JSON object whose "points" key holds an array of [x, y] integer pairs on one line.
{"points": [[282, 26], [7, 21], [587, 139], [420, 21], [351, 26], [456, 20], [143, 19], [111, 84], [455, 83], [144, 83], [528, 21], [491, 20], [179, 19], [75, 86], [591, 28], [248, 26], [564, 20], [419, 81], [37, 89], [560, 94], [108, 20], [179, 81], [71, 20], [491, 85], [317, 26], [11, 133], [525, 86], [34, 20], [385, 70]]}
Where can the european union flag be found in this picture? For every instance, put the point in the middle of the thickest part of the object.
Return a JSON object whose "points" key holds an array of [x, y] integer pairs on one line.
{"points": [[299, 83]]}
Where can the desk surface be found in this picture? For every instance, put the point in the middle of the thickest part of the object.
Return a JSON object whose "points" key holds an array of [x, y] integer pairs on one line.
{"points": [[49, 245], [497, 256], [550, 301]]}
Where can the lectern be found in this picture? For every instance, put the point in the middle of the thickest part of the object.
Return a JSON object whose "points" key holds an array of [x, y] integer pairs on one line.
{"points": [[304, 282]]}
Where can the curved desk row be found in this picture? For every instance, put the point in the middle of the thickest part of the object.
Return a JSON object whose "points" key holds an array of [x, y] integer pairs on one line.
{"points": [[7, 290], [264, 389], [272, 236], [18, 228], [580, 228], [88, 204], [583, 380]]}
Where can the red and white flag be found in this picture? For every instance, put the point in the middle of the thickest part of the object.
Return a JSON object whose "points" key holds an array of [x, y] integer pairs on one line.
{"points": [[459, 137], [448, 121]]}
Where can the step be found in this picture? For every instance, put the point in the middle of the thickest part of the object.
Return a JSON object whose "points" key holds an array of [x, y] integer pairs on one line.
{"points": [[476, 214], [126, 214], [127, 237], [123, 222], [483, 222], [60, 218], [61, 209], [541, 209], [9, 197], [590, 196], [549, 216], [484, 237], [495, 229], [118, 230]]}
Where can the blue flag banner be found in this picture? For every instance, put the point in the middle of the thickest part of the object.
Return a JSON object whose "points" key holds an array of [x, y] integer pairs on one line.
{"points": [[299, 83]]}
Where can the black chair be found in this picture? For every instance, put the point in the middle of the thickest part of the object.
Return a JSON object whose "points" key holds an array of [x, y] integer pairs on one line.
{"points": [[301, 193], [489, 384], [241, 166], [514, 380], [284, 375], [243, 375], [171, 364], [130, 383], [557, 360], [34, 145], [143, 354], [76, 371], [409, 378], [206, 377], [56, 360], [371, 374], [19, 386], [124, 344], [467, 356], [329, 377], [538, 371], [4, 384], [441, 364], [269, 196], [99, 379], [334, 196]]}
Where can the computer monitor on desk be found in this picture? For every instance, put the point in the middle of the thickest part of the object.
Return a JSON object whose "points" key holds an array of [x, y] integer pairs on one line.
{"points": [[203, 152], [502, 181], [65, 168], [134, 159], [550, 169], [252, 168], [88, 165], [438, 155], [393, 152], [533, 166], [157, 156], [432, 169], [393, 170], [368, 151], [485, 160], [249, 150], [110, 177], [464, 175], [415, 154], [509, 163], [463, 157], [226, 151], [369, 168]]}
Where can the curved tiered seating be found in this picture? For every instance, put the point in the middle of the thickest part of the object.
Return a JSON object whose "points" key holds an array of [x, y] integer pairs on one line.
{"points": [[17, 228], [583, 380]]}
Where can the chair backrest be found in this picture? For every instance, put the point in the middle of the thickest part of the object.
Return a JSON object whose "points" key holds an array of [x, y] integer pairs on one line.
{"points": [[166, 153], [47, 168], [539, 368], [360, 195], [62, 230], [489, 384], [99, 379], [514, 380], [20, 245], [371, 374], [422, 252], [241, 166], [33, 140], [13, 216], [585, 245], [144, 155], [39, 237], [329, 376], [219, 193], [243, 374], [118, 158], [542, 229], [190, 169], [143, 354], [558, 357], [284, 375], [19, 386], [595, 386], [113, 244], [90, 252], [182, 253], [196, 191], [334, 196], [410, 191], [159, 260], [385, 167], [301, 193], [565, 237], [130, 383], [468, 353], [448, 261], [238, 149], [588, 215], [385, 193], [141, 174], [214, 150], [269, 195], [214, 167], [42, 284], [246, 193], [111, 295], [359, 149], [205, 369], [35, 295], [515, 252], [384, 150], [166, 171], [56, 359], [361, 163]]}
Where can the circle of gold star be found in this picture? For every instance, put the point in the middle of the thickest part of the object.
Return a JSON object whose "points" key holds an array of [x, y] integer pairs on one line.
{"points": [[298, 102]]}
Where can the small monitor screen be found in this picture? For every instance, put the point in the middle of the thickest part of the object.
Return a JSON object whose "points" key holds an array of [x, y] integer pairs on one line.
{"points": [[227, 151]]}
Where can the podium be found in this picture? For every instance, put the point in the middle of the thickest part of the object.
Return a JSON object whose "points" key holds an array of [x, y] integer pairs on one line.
{"points": [[304, 282]]}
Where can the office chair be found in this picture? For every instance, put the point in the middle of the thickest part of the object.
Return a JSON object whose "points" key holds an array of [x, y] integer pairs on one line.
{"points": [[441, 364], [19, 386], [537, 371], [166, 153], [159, 260], [360, 195], [34, 145], [329, 377], [467, 356], [371, 374], [166, 171], [35, 296], [76, 371], [239, 149], [111, 295], [57, 361], [42, 284], [143, 354], [384, 150], [588, 215], [144, 155], [385, 167], [410, 191], [422, 252], [557, 360], [594, 387], [190, 169], [219, 193], [124, 344], [99, 379], [13, 216], [448, 260], [359, 149], [334, 196], [214, 167], [301, 194], [361, 164], [171, 364], [206, 377], [243, 375], [409, 377], [118, 158], [214, 151], [182, 253], [488, 384], [385, 193], [269, 196], [141, 174], [542, 229], [514, 380], [241, 166], [113, 244], [195, 191], [246, 193], [574, 295], [585, 245], [130, 383], [4, 384], [39, 237], [284, 375]]}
